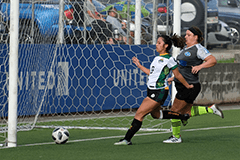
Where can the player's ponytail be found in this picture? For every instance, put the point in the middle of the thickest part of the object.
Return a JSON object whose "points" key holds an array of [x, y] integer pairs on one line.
{"points": [[178, 41], [175, 40]]}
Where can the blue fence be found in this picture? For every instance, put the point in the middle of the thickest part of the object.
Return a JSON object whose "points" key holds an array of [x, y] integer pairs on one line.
{"points": [[69, 78]]}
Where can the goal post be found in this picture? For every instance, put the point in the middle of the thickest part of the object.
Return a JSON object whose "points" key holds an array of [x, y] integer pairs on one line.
{"points": [[177, 30], [61, 74], [138, 22], [13, 75]]}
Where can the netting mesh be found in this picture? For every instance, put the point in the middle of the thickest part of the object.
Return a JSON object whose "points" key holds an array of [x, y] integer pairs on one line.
{"points": [[84, 76], [3, 91]]}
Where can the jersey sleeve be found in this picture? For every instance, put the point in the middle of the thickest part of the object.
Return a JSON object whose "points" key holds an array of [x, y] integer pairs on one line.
{"points": [[172, 64], [203, 53]]}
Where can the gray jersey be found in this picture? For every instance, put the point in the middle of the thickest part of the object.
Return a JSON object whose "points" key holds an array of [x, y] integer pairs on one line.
{"points": [[189, 57]]}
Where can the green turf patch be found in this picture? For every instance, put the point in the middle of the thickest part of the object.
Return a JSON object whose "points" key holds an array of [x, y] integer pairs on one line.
{"points": [[231, 60], [209, 143]]}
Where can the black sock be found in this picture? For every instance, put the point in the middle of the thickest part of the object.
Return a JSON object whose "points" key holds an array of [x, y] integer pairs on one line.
{"points": [[136, 125], [166, 114]]}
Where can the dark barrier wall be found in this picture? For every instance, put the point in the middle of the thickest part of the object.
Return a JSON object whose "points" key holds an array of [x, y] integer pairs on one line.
{"points": [[220, 84]]}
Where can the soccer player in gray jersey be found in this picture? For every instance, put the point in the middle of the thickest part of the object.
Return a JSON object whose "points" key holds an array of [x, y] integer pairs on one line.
{"points": [[190, 62], [157, 82]]}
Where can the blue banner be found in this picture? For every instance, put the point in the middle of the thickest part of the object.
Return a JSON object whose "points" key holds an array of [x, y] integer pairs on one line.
{"points": [[55, 79]]}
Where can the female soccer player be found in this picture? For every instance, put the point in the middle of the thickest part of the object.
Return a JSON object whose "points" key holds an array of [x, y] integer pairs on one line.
{"points": [[157, 81], [190, 62]]}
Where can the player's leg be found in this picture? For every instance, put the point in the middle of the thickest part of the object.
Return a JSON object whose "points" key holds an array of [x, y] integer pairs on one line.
{"points": [[147, 106], [182, 103], [201, 110], [159, 113], [156, 112], [177, 106], [187, 95]]}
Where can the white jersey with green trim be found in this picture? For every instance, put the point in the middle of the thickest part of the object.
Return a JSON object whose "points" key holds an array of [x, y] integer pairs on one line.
{"points": [[159, 70]]}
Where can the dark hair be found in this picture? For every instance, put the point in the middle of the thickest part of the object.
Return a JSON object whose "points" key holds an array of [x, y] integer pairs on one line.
{"points": [[111, 9], [176, 40], [196, 31]]}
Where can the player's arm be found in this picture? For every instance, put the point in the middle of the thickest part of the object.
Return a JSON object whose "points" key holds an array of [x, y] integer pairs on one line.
{"points": [[209, 61], [138, 64], [179, 76]]}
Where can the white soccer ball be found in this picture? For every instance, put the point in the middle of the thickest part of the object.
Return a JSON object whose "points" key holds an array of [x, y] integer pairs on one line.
{"points": [[60, 135]]}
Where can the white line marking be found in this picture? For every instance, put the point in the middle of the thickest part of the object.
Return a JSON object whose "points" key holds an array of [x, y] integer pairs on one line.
{"points": [[141, 134]]}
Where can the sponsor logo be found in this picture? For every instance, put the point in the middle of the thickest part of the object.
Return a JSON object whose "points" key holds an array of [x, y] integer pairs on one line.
{"points": [[188, 54], [152, 95], [207, 52], [160, 60], [43, 80]]}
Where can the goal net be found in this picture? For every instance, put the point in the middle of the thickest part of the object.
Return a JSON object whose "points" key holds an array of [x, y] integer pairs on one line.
{"points": [[75, 74]]}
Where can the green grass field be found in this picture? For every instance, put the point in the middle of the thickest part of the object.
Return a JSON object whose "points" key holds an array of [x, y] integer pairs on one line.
{"points": [[231, 60], [206, 137]]}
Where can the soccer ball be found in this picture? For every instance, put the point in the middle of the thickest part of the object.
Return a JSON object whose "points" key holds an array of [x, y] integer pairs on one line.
{"points": [[60, 135]]}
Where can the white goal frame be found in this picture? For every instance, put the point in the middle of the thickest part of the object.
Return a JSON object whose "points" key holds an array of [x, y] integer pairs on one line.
{"points": [[13, 60], [13, 74]]}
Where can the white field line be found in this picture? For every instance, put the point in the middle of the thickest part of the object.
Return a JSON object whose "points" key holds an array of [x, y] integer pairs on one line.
{"points": [[140, 134]]}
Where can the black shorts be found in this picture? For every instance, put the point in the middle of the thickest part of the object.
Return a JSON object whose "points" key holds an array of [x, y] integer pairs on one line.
{"points": [[188, 95], [159, 95]]}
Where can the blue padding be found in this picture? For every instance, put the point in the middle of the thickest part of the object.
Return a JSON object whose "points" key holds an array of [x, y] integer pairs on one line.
{"points": [[77, 78]]}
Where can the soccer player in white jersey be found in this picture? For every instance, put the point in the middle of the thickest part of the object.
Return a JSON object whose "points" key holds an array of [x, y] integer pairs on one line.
{"points": [[190, 62], [157, 82]]}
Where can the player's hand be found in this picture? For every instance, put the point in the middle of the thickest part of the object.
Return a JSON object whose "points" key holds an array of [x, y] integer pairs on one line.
{"points": [[170, 80], [196, 69], [136, 61], [190, 86]]}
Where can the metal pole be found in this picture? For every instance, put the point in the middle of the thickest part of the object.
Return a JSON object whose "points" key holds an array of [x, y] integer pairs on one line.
{"points": [[13, 74], [154, 37], [32, 22], [137, 33], [60, 22], [177, 30], [205, 25], [84, 23], [167, 18], [176, 23], [128, 21]]}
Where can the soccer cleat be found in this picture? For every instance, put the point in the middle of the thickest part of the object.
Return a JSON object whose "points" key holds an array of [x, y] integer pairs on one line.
{"points": [[217, 110], [123, 142], [173, 139]]}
